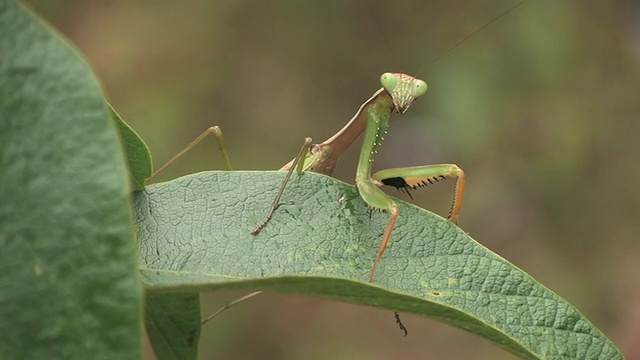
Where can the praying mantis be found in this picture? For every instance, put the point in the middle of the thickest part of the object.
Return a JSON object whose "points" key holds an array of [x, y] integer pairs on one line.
{"points": [[396, 96]]}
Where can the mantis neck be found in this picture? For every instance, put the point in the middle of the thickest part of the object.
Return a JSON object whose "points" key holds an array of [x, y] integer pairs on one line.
{"points": [[377, 113]]}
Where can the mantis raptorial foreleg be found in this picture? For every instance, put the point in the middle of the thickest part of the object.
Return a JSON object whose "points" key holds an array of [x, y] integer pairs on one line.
{"points": [[411, 178], [408, 178]]}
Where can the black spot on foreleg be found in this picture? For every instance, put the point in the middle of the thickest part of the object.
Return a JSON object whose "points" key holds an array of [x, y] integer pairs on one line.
{"points": [[398, 183]]}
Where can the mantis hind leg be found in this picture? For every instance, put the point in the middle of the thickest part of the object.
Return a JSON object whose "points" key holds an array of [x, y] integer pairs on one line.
{"points": [[410, 178], [215, 130], [229, 305]]}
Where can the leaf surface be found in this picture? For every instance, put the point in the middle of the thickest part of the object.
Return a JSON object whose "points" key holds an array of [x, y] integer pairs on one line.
{"points": [[195, 235], [69, 284]]}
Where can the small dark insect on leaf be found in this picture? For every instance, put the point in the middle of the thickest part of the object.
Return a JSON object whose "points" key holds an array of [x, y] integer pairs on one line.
{"points": [[400, 324]]}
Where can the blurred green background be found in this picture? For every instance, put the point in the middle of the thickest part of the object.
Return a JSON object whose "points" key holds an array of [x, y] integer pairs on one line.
{"points": [[540, 108]]}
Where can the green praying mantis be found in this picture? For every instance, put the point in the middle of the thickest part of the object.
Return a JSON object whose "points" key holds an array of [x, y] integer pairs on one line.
{"points": [[396, 96]]}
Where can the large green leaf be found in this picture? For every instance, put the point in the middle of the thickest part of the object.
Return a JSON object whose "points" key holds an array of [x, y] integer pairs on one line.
{"points": [[194, 234], [173, 324], [69, 286], [136, 152]]}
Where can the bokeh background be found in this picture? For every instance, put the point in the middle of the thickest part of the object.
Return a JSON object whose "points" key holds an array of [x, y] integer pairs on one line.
{"points": [[541, 108]]}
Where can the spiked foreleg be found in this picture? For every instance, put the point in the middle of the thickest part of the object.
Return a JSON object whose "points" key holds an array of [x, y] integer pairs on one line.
{"points": [[377, 199], [410, 178]]}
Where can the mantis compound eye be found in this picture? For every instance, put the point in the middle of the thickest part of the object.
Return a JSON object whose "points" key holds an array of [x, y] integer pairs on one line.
{"points": [[389, 81], [420, 88]]}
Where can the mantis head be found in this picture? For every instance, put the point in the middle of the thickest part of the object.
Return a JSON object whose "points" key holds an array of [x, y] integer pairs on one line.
{"points": [[403, 89]]}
